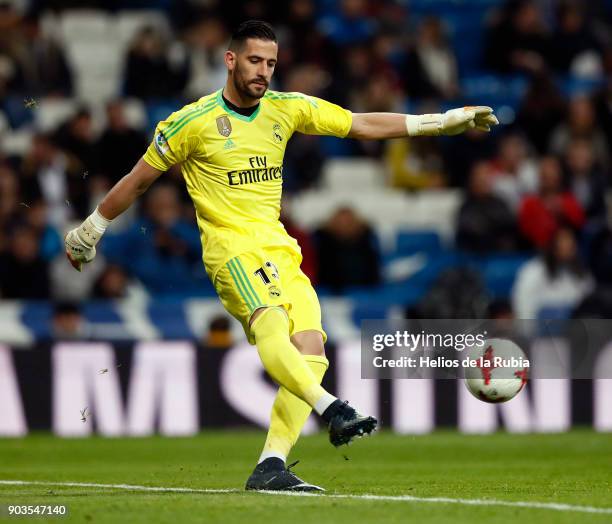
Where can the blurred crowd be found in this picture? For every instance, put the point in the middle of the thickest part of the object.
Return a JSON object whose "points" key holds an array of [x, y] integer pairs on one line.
{"points": [[537, 185]]}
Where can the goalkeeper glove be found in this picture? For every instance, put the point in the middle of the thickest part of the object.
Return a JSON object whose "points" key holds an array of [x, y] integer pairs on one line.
{"points": [[81, 242], [453, 122]]}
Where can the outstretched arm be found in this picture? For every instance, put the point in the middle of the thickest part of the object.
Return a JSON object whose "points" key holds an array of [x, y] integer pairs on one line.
{"points": [[376, 126], [128, 189], [81, 242]]}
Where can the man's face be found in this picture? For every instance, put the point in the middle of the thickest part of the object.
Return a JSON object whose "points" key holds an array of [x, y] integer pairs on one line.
{"points": [[67, 325], [251, 67]]}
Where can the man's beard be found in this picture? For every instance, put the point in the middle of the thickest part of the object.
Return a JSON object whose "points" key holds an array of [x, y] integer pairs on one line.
{"points": [[246, 88]]}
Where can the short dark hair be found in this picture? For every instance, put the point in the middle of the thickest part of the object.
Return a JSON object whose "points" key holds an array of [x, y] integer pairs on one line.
{"points": [[66, 308], [251, 29]]}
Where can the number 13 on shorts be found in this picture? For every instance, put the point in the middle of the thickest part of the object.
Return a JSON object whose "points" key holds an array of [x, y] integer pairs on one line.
{"points": [[270, 269], [270, 277], [248, 282]]}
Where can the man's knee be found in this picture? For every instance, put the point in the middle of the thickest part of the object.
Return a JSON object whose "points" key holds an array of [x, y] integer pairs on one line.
{"points": [[262, 311], [309, 342], [270, 322]]}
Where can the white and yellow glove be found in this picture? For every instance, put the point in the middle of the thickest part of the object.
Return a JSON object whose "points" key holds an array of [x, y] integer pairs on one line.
{"points": [[80, 243], [453, 122]]}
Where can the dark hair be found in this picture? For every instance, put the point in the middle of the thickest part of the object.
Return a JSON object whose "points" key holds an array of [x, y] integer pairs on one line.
{"points": [[219, 323], [251, 29], [499, 307], [552, 264], [66, 308]]}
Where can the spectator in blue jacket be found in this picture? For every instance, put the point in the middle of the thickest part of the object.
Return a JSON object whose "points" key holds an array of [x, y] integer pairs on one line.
{"points": [[350, 25], [162, 249]]}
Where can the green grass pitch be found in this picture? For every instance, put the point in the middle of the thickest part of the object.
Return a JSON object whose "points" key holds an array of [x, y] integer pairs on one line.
{"points": [[573, 469]]}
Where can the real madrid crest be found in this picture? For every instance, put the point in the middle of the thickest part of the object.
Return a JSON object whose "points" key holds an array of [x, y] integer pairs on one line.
{"points": [[224, 126], [277, 133]]}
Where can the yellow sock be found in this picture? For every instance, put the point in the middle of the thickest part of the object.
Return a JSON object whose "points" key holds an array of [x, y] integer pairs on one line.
{"points": [[289, 414], [282, 360]]}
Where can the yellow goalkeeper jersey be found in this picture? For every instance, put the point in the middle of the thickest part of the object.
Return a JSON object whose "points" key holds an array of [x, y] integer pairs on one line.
{"points": [[233, 165]]}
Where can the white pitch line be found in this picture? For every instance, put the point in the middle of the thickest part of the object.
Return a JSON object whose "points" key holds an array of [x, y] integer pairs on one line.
{"points": [[128, 487], [387, 498], [467, 502]]}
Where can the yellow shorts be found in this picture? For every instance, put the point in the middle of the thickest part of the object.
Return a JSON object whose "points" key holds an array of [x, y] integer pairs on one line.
{"points": [[269, 277]]}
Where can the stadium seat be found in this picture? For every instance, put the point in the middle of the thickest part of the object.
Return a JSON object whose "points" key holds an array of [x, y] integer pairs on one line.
{"points": [[95, 52], [355, 174], [101, 311], [500, 271], [51, 112], [574, 86], [159, 110], [382, 206], [466, 29], [135, 113], [199, 311], [98, 68], [130, 22], [397, 268], [36, 318], [385, 209], [16, 111], [16, 142], [85, 25], [494, 90], [168, 317], [375, 302], [311, 208], [411, 242], [560, 312], [367, 310], [434, 210]]}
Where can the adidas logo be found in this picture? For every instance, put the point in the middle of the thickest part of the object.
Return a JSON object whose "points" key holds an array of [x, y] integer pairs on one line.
{"points": [[229, 144]]}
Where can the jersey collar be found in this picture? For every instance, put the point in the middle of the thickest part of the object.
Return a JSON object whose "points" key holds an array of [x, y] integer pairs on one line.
{"points": [[232, 112]]}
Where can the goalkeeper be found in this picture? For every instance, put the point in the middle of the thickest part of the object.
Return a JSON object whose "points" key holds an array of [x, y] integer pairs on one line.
{"points": [[230, 145]]}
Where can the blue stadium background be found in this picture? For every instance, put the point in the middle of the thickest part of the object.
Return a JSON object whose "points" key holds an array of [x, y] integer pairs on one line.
{"points": [[511, 224]]}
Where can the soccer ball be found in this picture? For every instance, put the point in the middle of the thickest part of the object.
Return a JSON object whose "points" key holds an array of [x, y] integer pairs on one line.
{"points": [[496, 371]]}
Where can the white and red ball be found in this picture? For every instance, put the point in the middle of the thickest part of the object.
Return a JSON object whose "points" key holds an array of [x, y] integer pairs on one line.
{"points": [[500, 371]]}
